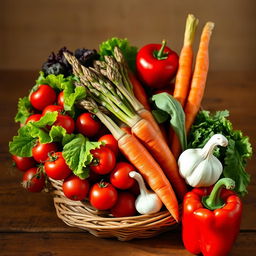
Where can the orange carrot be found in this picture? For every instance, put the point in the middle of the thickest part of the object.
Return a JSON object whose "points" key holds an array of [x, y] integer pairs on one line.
{"points": [[163, 155], [184, 75], [136, 153], [199, 76], [145, 114], [139, 91], [139, 156]]}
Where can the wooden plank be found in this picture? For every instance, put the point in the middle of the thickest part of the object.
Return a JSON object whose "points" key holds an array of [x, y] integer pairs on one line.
{"points": [[76, 244]]}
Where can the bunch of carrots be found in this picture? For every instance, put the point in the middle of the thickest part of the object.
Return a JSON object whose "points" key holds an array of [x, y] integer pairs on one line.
{"points": [[111, 85]]}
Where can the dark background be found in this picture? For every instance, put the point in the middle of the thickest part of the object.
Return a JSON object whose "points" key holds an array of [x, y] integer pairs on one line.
{"points": [[31, 29]]}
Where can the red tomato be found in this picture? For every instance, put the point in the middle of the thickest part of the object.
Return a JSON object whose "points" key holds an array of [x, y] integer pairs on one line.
{"points": [[87, 124], [33, 180], [52, 108], [66, 122], [120, 178], [23, 163], [74, 188], [56, 167], [110, 142], [125, 205], [104, 160], [103, 196], [33, 118], [60, 99], [43, 97], [40, 151]]}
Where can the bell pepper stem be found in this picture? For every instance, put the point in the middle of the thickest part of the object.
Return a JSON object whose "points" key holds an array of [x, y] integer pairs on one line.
{"points": [[161, 55], [214, 201]]}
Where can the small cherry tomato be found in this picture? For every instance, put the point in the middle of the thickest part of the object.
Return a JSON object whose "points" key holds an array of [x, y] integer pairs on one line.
{"points": [[42, 97], [66, 122], [33, 118], [103, 196], [87, 124], [33, 180], [60, 99], [56, 167], [23, 163], [40, 151], [75, 188], [104, 160], [110, 142], [125, 205], [52, 108], [120, 178]]}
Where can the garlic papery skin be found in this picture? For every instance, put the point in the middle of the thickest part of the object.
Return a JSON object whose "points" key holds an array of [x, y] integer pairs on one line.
{"points": [[198, 166], [147, 202]]}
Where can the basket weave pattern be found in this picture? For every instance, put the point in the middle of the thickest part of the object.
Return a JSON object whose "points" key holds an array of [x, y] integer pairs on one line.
{"points": [[101, 224]]}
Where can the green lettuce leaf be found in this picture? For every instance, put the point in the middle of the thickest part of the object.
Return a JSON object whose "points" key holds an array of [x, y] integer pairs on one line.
{"points": [[172, 107], [22, 144], [235, 156], [77, 155], [47, 119], [24, 110], [129, 52], [72, 94]]}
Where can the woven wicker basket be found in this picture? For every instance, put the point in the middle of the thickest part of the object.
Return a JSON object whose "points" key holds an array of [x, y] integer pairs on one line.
{"points": [[99, 223]]}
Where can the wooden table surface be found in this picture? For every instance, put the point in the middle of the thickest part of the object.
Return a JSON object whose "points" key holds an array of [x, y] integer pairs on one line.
{"points": [[28, 223]]}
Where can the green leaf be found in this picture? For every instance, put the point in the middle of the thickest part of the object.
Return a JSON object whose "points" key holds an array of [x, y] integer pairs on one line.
{"points": [[129, 52], [72, 94], [24, 110], [160, 115], [77, 155], [234, 157], [47, 119], [172, 107], [59, 134], [22, 144], [56, 82]]}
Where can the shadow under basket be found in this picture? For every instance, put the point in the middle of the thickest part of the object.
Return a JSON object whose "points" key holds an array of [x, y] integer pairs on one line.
{"points": [[82, 215]]}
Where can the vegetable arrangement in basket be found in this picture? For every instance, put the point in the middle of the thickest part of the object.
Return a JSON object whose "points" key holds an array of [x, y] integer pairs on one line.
{"points": [[101, 121]]}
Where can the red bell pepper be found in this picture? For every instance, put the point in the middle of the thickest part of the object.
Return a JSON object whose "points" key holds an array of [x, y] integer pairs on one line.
{"points": [[210, 223], [156, 65]]}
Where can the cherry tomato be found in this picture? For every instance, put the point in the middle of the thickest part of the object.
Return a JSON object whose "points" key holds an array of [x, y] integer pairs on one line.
{"points": [[33, 180], [52, 108], [74, 188], [33, 118], [43, 97], [87, 124], [23, 163], [110, 142], [104, 160], [60, 99], [120, 178], [40, 151], [56, 167], [103, 196], [125, 205], [66, 122]]}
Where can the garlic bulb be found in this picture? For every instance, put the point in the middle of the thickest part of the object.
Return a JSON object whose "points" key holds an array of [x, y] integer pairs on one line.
{"points": [[198, 166], [148, 201]]}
